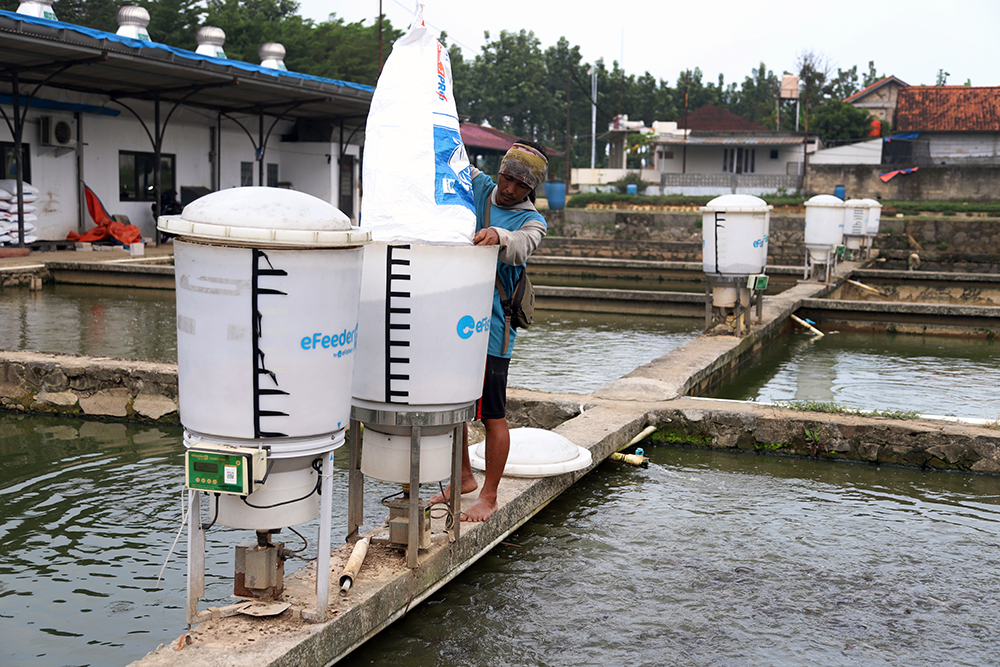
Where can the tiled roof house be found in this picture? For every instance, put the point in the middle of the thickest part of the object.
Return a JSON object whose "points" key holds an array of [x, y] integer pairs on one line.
{"points": [[720, 142], [946, 125], [879, 99]]}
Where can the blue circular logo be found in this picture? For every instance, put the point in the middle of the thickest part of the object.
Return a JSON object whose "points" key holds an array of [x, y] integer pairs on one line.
{"points": [[466, 326]]}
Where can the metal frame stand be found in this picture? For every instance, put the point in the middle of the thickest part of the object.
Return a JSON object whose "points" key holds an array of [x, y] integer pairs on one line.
{"points": [[740, 310], [415, 421], [830, 264], [196, 552]]}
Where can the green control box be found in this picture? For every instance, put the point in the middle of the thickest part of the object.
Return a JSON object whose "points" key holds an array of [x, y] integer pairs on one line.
{"points": [[757, 282], [224, 468]]}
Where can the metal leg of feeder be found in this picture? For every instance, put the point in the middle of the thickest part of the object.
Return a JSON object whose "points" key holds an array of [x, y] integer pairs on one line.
{"points": [[355, 485], [195, 557], [413, 537], [455, 502], [760, 305], [323, 556], [708, 305]]}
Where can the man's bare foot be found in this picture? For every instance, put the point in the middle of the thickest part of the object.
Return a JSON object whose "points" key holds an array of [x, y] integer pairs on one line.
{"points": [[469, 484], [482, 510]]}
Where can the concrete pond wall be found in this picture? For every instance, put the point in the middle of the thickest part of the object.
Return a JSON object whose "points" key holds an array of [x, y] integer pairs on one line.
{"points": [[117, 389]]}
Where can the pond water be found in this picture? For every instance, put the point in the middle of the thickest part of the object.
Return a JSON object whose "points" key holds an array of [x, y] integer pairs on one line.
{"points": [[935, 375], [141, 324], [704, 558]]}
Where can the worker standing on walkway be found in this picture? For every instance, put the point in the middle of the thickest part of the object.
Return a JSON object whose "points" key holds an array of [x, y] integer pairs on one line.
{"points": [[505, 216]]}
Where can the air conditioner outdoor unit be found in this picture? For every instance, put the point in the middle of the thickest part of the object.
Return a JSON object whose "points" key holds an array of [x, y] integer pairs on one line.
{"points": [[60, 132]]}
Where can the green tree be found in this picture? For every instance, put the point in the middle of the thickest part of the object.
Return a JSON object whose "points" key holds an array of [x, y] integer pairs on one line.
{"points": [[872, 76], [174, 22], [838, 123], [250, 23], [756, 97], [843, 85]]}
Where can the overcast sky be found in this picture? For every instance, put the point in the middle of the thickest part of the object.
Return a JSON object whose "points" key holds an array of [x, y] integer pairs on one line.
{"points": [[911, 39]]}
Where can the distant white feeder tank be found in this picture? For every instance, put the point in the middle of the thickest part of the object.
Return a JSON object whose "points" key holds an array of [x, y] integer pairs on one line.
{"points": [[268, 290], [855, 222], [734, 242], [824, 225], [734, 235], [874, 215]]}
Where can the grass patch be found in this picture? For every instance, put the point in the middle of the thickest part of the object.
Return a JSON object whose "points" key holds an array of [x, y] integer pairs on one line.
{"points": [[836, 409]]}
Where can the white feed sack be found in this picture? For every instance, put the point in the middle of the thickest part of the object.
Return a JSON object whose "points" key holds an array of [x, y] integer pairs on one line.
{"points": [[417, 180]]}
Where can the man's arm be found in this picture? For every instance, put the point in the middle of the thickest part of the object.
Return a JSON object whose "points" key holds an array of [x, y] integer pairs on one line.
{"points": [[517, 246]]}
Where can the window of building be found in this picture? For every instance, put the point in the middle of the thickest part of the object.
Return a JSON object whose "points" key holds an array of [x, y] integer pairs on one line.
{"points": [[272, 175], [9, 165], [774, 154], [246, 174], [135, 175], [739, 160]]}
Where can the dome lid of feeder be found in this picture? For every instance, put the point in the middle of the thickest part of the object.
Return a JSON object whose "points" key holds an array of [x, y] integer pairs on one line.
{"points": [[871, 203], [267, 216], [736, 204], [535, 452], [832, 201]]}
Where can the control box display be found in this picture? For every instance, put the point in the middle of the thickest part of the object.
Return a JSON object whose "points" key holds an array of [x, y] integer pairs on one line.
{"points": [[224, 469]]}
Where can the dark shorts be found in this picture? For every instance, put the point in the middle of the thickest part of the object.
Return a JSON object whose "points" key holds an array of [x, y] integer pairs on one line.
{"points": [[493, 404]]}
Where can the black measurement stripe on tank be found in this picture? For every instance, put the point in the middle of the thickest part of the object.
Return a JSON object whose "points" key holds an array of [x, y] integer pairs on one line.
{"points": [[397, 295], [260, 365]]}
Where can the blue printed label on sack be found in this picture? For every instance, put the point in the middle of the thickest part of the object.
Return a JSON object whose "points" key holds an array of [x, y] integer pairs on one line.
{"points": [[452, 174]]}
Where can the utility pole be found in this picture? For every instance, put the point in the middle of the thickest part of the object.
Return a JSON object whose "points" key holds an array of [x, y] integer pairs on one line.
{"points": [[379, 36], [684, 147], [593, 115], [569, 137]]}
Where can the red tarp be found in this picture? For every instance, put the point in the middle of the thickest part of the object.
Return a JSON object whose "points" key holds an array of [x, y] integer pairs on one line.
{"points": [[124, 233]]}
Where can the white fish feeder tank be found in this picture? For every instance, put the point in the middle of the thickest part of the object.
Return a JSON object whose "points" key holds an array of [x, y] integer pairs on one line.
{"points": [[874, 221], [425, 313], [824, 235], [856, 213], [268, 293], [734, 254]]}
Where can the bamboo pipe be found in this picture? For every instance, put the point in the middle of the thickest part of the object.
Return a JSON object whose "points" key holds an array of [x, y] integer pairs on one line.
{"points": [[867, 287], [807, 325], [350, 571]]}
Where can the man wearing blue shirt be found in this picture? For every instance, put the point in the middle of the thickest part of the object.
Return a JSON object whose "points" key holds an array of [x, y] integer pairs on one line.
{"points": [[505, 216]]}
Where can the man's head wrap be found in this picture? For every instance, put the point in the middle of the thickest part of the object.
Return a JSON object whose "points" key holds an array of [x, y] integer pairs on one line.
{"points": [[525, 164]]}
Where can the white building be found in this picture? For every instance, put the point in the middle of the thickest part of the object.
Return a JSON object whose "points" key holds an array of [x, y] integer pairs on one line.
{"points": [[96, 108]]}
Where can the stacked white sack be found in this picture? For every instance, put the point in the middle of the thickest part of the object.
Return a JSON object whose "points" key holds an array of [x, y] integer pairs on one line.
{"points": [[9, 230], [417, 180]]}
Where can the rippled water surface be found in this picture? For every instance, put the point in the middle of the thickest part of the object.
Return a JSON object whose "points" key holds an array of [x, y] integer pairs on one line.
{"points": [[580, 352], [931, 375], [90, 320], [704, 558], [140, 324], [726, 559]]}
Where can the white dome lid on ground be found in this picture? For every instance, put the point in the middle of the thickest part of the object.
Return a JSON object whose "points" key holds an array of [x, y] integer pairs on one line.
{"points": [[535, 452], [274, 216]]}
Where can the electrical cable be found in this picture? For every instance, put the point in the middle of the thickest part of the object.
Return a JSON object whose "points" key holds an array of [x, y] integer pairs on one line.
{"points": [[203, 526], [316, 489], [184, 514]]}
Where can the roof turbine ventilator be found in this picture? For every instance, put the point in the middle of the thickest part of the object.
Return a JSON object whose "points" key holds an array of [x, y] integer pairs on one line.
{"points": [[272, 54], [41, 9], [210, 40], [132, 22]]}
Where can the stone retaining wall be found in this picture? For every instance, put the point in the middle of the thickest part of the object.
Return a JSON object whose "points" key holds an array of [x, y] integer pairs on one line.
{"points": [[144, 391], [89, 386]]}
